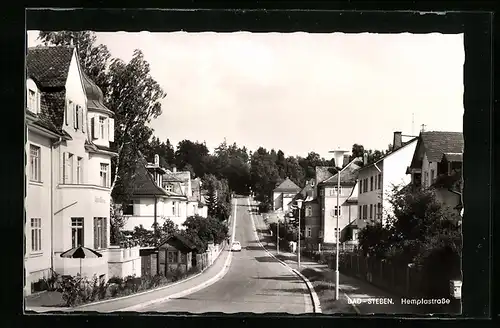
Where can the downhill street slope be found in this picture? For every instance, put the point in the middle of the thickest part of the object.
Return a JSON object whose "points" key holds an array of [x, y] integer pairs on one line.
{"points": [[254, 283]]}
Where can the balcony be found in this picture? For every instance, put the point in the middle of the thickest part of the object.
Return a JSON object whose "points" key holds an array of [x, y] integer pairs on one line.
{"points": [[117, 254]]}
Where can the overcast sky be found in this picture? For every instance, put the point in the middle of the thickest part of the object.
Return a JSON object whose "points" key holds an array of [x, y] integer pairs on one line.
{"points": [[299, 92]]}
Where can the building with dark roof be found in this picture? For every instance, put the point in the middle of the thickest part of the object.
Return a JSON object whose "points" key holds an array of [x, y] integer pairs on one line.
{"points": [[160, 194], [283, 195], [437, 163], [69, 150]]}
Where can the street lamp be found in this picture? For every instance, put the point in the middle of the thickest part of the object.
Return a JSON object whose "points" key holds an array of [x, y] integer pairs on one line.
{"points": [[338, 156], [299, 205]]}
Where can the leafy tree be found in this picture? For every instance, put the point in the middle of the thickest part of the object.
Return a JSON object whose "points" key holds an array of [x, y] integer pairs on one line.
{"points": [[281, 163], [204, 230], [192, 153]]}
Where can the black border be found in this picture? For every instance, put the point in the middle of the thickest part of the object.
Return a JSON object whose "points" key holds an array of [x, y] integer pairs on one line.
{"points": [[478, 102]]}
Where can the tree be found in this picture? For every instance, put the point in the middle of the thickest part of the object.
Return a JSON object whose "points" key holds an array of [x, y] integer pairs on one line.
{"points": [[204, 230], [357, 151], [192, 153], [281, 163]]}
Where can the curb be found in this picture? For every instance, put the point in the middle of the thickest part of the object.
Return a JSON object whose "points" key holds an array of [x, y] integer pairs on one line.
{"points": [[314, 297], [194, 289]]}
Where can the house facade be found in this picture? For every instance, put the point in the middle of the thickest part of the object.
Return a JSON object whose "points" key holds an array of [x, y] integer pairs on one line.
{"points": [[283, 194], [160, 194], [69, 163], [377, 180], [346, 209], [437, 163]]}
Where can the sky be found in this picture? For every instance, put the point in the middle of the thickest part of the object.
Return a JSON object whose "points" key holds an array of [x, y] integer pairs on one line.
{"points": [[299, 92]]}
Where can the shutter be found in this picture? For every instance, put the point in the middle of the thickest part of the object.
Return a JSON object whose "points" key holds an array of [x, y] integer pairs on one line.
{"points": [[80, 118], [66, 119], [95, 128], [75, 116], [65, 168], [111, 129], [96, 240], [104, 232]]}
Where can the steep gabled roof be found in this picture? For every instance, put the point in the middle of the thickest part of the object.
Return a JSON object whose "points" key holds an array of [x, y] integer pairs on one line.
{"points": [[287, 186], [324, 172], [49, 66], [437, 143], [179, 241], [181, 176], [143, 183]]}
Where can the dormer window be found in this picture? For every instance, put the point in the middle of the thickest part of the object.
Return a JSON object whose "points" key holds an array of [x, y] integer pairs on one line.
{"points": [[168, 187], [32, 97]]}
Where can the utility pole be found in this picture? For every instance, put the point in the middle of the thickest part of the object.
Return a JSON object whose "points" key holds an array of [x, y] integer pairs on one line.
{"points": [[278, 237]]}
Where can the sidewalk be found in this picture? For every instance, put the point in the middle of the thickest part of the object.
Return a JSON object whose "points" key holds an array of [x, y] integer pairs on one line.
{"points": [[139, 298], [351, 289]]}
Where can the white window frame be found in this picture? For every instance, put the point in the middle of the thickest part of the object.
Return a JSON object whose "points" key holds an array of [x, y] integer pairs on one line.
{"points": [[70, 168], [168, 187], [173, 208], [103, 174], [102, 127], [101, 233], [308, 211], [32, 101], [77, 227], [309, 232], [36, 235], [35, 161], [79, 170]]}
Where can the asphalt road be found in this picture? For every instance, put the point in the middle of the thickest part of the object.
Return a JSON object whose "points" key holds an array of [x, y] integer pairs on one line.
{"points": [[255, 281]]}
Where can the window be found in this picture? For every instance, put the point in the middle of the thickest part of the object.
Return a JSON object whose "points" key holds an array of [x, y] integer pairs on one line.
{"points": [[308, 211], [183, 258], [79, 170], [102, 124], [36, 234], [380, 181], [104, 174], [173, 208], [34, 163], [371, 183], [69, 109], [32, 101], [365, 212], [129, 209], [365, 185], [70, 168], [100, 233], [371, 211], [168, 187], [426, 179], [361, 186], [379, 211], [376, 176], [360, 210], [172, 256], [76, 117], [432, 176], [321, 192], [309, 233], [77, 232], [335, 209]]}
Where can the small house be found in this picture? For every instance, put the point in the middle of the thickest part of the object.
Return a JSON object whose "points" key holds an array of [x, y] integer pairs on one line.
{"points": [[175, 253]]}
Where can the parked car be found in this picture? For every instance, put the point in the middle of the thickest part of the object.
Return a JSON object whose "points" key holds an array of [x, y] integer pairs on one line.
{"points": [[236, 247]]}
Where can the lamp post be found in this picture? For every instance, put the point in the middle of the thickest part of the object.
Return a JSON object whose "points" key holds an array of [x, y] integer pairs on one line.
{"points": [[278, 237], [299, 205], [338, 156]]}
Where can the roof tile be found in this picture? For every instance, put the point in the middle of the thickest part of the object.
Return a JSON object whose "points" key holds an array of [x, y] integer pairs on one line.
{"points": [[437, 143]]}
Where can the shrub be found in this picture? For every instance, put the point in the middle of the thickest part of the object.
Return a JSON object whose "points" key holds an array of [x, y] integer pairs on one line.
{"points": [[71, 290], [132, 283]]}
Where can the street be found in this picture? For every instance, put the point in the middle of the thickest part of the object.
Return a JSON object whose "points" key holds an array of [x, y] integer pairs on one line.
{"points": [[255, 282]]}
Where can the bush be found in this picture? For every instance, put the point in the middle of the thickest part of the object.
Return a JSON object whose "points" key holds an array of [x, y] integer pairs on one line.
{"points": [[71, 290]]}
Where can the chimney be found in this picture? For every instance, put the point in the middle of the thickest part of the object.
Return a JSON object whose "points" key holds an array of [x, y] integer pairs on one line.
{"points": [[174, 169], [365, 158], [397, 142], [157, 160]]}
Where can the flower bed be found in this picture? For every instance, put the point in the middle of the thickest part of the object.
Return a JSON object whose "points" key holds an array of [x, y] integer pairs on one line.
{"points": [[77, 290]]}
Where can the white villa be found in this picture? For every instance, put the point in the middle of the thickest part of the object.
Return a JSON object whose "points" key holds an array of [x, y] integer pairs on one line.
{"points": [[68, 154], [161, 194], [377, 179]]}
